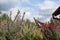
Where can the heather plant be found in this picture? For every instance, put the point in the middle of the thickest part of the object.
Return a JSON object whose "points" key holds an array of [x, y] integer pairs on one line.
{"points": [[18, 29], [50, 31]]}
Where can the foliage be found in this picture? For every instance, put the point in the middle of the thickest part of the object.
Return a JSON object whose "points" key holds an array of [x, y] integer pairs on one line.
{"points": [[50, 31], [20, 29]]}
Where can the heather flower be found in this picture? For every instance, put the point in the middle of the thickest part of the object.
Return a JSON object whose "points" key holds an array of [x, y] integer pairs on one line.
{"points": [[48, 30]]}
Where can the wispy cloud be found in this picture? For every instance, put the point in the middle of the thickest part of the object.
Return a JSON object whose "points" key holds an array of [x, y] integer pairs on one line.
{"points": [[48, 5]]}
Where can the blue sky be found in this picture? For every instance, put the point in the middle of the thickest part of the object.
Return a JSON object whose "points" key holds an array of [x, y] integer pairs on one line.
{"points": [[41, 9]]}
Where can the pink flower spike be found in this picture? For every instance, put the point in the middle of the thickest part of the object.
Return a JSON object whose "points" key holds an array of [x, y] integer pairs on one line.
{"points": [[40, 23]]}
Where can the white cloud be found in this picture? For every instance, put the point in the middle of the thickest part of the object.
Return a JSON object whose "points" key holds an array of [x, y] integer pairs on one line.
{"points": [[38, 16], [28, 15], [47, 4], [25, 1], [47, 19], [3, 1], [14, 12], [8, 1], [12, 1]]}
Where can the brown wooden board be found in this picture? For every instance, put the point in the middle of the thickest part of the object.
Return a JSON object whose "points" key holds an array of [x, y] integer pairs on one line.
{"points": [[57, 12]]}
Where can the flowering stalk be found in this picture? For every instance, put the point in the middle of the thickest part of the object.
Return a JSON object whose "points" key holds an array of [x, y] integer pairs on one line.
{"points": [[22, 18], [17, 15]]}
